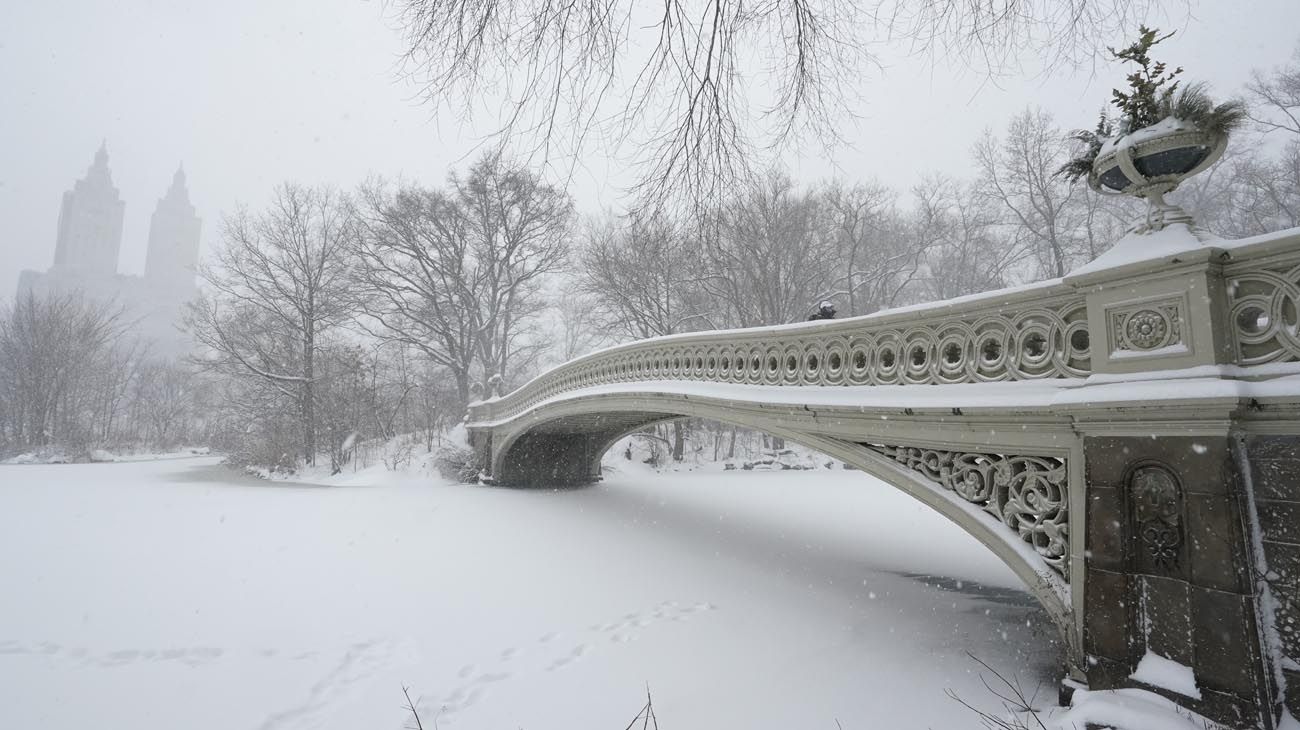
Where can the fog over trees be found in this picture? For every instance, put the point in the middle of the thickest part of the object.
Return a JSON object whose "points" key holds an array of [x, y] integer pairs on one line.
{"points": [[334, 317], [72, 375]]}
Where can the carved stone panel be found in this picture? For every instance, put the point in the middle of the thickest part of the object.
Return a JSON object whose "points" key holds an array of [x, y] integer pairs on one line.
{"points": [[1145, 327], [1029, 494], [1156, 501]]}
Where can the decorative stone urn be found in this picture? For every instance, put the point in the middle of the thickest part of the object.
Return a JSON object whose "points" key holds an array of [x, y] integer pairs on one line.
{"points": [[1152, 161]]}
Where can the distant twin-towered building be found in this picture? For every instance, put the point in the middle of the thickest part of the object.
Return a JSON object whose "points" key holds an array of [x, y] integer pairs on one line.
{"points": [[90, 239]]}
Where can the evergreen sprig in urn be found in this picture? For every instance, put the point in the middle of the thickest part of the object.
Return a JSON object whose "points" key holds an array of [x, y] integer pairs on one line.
{"points": [[1164, 132]]}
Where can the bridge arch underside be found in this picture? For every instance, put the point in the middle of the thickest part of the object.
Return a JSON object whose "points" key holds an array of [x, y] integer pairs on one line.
{"points": [[562, 444]]}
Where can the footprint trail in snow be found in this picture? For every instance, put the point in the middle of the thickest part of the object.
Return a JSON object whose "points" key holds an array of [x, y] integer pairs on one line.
{"points": [[556, 655]]}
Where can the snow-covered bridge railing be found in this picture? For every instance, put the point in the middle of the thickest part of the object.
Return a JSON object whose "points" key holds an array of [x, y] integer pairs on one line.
{"points": [[1126, 439], [1039, 331]]}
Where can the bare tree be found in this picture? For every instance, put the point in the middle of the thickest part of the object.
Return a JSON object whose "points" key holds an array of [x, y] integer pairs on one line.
{"points": [[877, 253], [279, 284], [642, 275], [111, 382], [670, 80], [1261, 192], [518, 227], [347, 398], [417, 275], [73, 379], [578, 328], [1275, 107], [1248, 192], [971, 252], [460, 274], [164, 402], [1059, 223], [53, 352], [767, 256], [1275, 97]]}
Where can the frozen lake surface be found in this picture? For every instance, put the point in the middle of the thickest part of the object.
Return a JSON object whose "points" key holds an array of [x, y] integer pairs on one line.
{"points": [[177, 594]]}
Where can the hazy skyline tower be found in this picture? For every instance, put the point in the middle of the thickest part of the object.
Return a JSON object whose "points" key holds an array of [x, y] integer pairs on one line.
{"points": [[174, 241], [87, 249], [90, 222]]}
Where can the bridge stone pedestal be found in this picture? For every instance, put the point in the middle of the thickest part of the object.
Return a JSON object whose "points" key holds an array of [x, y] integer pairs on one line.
{"points": [[1173, 565]]}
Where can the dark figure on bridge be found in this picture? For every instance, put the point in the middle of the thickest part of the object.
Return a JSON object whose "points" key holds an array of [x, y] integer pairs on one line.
{"points": [[825, 310]]}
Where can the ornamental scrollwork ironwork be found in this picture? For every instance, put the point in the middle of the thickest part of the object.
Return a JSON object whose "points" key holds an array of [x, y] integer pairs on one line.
{"points": [[1028, 494], [1157, 515]]}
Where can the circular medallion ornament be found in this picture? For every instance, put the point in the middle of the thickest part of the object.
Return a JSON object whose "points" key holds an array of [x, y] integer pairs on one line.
{"points": [[1146, 329]]}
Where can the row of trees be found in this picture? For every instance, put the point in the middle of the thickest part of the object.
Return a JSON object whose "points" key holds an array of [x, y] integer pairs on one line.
{"points": [[334, 314], [771, 251], [72, 376]]}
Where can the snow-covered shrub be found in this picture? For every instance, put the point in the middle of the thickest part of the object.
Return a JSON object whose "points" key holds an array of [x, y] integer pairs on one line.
{"points": [[398, 451], [272, 446], [44, 455], [455, 460], [268, 461], [786, 459]]}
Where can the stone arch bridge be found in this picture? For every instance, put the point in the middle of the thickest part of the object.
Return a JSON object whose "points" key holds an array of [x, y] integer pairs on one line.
{"points": [[1126, 439]]}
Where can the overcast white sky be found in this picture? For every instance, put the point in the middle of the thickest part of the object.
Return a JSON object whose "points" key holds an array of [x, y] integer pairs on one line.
{"points": [[248, 93]]}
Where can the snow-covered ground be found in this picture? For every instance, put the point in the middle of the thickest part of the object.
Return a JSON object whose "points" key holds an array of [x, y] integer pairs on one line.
{"points": [[175, 593]]}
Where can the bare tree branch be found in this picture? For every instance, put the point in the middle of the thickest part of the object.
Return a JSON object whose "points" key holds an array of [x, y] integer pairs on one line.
{"points": [[700, 94]]}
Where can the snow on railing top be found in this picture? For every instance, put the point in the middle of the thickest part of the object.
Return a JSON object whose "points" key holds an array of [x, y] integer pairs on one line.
{"points": [[1038, 331]]}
